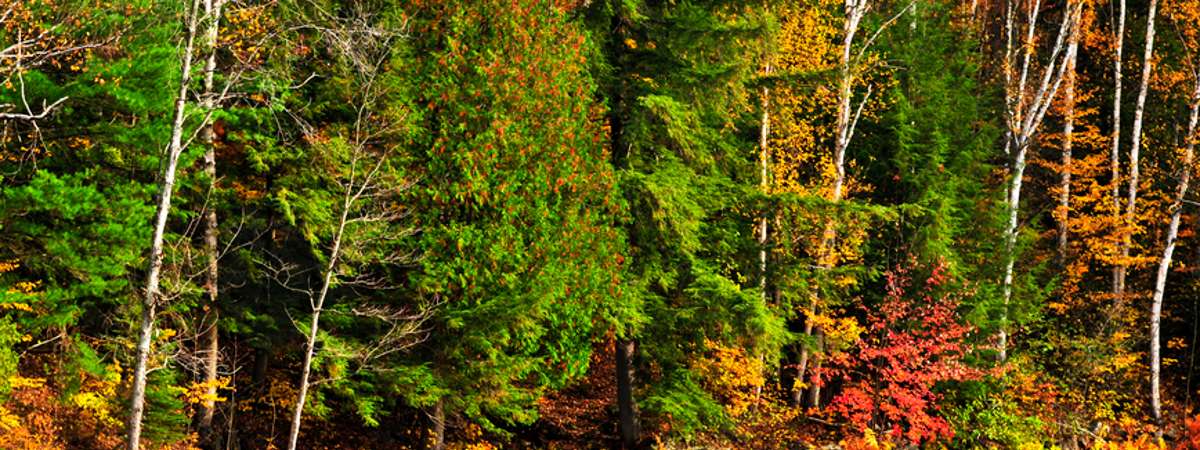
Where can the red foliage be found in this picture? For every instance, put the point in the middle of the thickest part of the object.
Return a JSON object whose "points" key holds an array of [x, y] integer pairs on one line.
{"points": [[1190, 440], [912, 343]]}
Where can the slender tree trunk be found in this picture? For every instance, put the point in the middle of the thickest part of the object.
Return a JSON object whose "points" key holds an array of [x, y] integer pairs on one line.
{"points": [[764, 133], [845, 131], [814, 398], [1016, 145], [624, 348], [314, 323], [137, 400], [1114, 156], [210, 342], [1164, 264], [1135, 148], [1025, 113], [1064, 195], [1010, 234], [439, 425], [627, 407]]}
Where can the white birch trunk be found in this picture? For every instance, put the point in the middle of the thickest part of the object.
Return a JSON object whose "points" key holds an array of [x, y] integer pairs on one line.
{"points": [[1025, 114], [1134, 150], [855, 9], [1164, 264], [764, 133], [1064, 195], [314, 324], [137, 400], [1115, 152]]}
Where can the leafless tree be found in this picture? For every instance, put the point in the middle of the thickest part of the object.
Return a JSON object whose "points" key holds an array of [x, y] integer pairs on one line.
{"points": [[211, 346], [34, 44], [362, 156]]}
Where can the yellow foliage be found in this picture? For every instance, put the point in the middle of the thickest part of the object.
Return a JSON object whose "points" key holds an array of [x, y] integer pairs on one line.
{"points": [[8, 420], [733, 376], [95, 395], [840, 332], [1141, 443], [197, 393], [19, 382], [868, 441]]}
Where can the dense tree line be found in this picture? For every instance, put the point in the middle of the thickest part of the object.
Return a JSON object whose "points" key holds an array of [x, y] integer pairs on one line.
{"points": [[598, 224]]}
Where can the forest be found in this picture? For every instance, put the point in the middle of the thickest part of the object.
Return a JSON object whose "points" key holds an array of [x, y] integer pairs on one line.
{"points": [[592, 224]]}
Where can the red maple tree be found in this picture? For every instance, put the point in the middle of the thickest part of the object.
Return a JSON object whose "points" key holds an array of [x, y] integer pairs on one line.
{"points": [[913, 342]]}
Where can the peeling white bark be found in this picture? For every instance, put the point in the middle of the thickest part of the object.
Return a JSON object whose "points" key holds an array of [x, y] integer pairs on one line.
{"points": [[137, 401]]}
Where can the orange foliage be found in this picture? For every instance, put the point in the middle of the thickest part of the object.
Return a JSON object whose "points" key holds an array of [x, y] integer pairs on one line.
{"points": [[46, 422]]}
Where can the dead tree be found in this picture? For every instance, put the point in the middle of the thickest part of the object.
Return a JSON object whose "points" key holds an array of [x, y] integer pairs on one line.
{"points": [[153, 297], [366, 182], [210, 347]]}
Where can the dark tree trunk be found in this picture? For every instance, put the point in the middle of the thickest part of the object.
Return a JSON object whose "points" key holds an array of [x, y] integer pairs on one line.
{"points": [[630, 427]]}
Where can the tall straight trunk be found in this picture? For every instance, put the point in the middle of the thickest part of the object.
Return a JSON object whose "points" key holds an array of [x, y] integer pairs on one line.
{"points": [[1025, 114], [1114, 156], [845, 131], [1135, 148], [1016, 146], [137, 398], [1164, 264], [210, 343], [1010, 235], [1064, 195], [764, 133], [628, 421], [314, 323], [627, 407]]}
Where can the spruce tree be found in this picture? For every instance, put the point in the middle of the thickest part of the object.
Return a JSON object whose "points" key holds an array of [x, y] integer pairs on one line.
{"points": [[676, 78]]}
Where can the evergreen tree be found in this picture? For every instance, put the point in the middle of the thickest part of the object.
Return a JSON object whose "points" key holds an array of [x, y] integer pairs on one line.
{"points": [[515, 198], [676, 78]]}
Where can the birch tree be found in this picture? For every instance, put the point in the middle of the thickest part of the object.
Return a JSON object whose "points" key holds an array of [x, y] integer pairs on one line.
{"points": [[151, 295], [1134, 150], [210, 346], [764, 134], [1114, 156], [1164, 263], [1026, 104], [1064, 194], [1183, 15], [848, 114]]}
